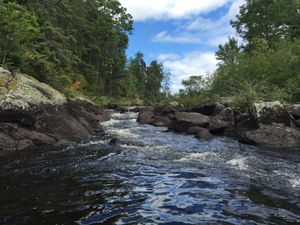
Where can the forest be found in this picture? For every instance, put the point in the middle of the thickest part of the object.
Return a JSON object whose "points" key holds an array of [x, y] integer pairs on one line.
{"points": [[79, 47], [261, 64]]}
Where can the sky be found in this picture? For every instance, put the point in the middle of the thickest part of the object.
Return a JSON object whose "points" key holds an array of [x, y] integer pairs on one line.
{"points": [[182, 34]]}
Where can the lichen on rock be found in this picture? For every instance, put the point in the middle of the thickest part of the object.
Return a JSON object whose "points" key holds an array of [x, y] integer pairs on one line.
{"points": [[28, 94]]}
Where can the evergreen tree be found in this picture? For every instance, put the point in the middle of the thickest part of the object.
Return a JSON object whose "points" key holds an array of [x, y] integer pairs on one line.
{"points": [[138, 69], [18, 28], [155, 75]]}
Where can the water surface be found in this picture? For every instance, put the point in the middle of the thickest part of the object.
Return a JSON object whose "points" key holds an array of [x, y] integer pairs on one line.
{"points": [[151, 177]]}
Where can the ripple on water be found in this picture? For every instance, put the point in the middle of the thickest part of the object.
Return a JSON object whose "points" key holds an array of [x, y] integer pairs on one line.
{"points": [[151, 177]]}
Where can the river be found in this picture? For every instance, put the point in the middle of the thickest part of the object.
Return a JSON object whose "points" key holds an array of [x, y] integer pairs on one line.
{"points": [[150, 177]]}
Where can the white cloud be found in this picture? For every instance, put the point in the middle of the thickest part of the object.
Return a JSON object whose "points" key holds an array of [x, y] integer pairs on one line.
{"points": [[199, 30], [192, 63], [182, 38], [168, 56], [169, 9]]}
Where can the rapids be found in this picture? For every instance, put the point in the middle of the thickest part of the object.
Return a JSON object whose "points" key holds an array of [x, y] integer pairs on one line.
{"points": [[150, 177]]}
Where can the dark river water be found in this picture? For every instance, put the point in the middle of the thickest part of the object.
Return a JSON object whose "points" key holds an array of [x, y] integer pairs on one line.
{"points": [[150, 177]]}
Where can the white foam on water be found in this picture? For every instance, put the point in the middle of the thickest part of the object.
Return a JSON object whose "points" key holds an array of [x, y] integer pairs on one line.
{"points": [[107, 156], [240, 163], [292, 178], [110, 123], [125, 133], [201, 156], [295, 182]]}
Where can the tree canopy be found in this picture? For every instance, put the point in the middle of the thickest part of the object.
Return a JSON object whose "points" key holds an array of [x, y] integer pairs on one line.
{"points": [[267, 64]]}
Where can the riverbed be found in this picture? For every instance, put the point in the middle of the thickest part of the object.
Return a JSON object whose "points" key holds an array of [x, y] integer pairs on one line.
{"points": [[150, 176]]}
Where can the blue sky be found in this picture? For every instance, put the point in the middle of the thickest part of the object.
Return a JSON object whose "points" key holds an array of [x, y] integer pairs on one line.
{"points": [[183, 34]]}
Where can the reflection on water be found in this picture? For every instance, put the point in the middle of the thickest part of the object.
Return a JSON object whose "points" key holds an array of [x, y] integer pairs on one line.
{"points": [[151, 177]]}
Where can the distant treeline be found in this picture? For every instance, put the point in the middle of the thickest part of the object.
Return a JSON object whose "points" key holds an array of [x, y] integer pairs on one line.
{"points": [[265, 66], [76, 45]]}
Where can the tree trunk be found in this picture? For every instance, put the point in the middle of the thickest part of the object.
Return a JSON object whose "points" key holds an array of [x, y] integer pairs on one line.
{"points": [[4, 57]]}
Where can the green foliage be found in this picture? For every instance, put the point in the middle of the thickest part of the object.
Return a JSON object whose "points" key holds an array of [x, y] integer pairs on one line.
{"points": [[137, 70], [265, 74], [271, 20], [267, 68], [155, 76], [229, 52], [60, 42], [196, 89], [18, 28]]}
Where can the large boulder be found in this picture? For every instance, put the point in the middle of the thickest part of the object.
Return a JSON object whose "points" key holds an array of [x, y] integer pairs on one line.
{"points": [[294, 110], [146, 116], [24, 93], [218, 126], [163, 110], [224, 120], [267, 113], [209, 108], [184, 120], [34, 114], [212, 107], [161, 121], [277, 135]]}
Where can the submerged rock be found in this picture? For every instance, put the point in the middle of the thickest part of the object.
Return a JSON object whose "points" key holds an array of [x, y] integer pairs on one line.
{"points": [[204, 134], [114, 141], [194, 130], [34, 114]]}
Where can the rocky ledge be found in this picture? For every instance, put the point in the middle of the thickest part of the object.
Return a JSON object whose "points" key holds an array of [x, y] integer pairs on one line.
{"points": [[33, 114], [267, 123]]}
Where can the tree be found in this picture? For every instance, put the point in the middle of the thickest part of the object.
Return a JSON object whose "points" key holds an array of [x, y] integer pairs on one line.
{"points": [[137, 70], [18, 27], [166, 83], [271, 20], [154, 79], [229, 52], [80, 40], [196, 84]]}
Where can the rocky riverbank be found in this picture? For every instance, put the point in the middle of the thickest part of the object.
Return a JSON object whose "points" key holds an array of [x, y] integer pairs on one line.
{"points": [[267, 123], [33, 114]]}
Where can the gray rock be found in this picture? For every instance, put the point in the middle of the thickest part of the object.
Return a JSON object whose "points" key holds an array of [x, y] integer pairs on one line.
{"points": [[28, 94], [194, 130], [212, 107], [185, 120], [277, 135], [294, 110], [204, 134], [146, 117], [297, 123], [224, 120], [162, 110], [161, 121], [193, 118], [241, 116], [218, 126], [267, 113], [34, 114]]}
